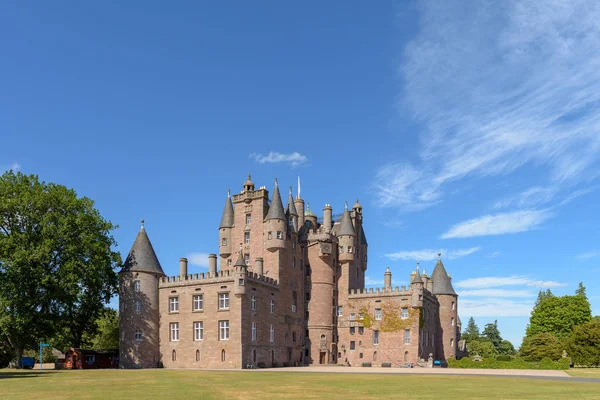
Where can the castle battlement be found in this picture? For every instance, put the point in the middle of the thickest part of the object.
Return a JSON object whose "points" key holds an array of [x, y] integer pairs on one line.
{"points": [[378, 292], [208, 278]]}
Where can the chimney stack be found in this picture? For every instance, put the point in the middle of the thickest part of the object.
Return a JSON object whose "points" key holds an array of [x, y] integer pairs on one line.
{"points": [[327, 217], [259, 266], [212, 264], [183, 270], [387, 280]]}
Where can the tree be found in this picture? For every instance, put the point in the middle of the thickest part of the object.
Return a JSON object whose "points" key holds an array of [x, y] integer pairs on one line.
{"points": [[482, 348], [107, 333], [57, 267], [558, 315], [583, 346], [506, 348], [540, 345], [471, 331], [581, 291], [493, 334], [543, 294]]}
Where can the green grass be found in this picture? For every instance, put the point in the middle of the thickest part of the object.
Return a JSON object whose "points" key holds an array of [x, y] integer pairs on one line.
{"points": [[179, 384], [585, 372]]}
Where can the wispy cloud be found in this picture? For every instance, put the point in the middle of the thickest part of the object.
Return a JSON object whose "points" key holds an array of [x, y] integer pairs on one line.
{"points": [[498, 224], [430, 254], [498, 86], [14, 166], [373, 282], [274, 157], [495, 307], [497, 293], [494, 254], [588, 255], [531, 197], [198, 259], [499, 281]]}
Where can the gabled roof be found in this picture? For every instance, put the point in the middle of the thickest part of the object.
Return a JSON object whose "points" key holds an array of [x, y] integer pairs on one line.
{"points": [[227, 218], [276, 209], [142, 257], [346, 227], [441, 281]]}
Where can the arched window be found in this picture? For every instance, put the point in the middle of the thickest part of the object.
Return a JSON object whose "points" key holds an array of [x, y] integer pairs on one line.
{"points": [[174, 355], [406, 356], [254, 355], [223, 355], [451, 342], [197, 355], [374, 356]]}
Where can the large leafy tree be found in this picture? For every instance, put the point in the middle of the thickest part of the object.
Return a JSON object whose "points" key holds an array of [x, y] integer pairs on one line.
{"points": [[483, 348], [584, 344], [540, 345], [471, 331], [493, 334], [107, 333], [558, 315], [57, 266]]}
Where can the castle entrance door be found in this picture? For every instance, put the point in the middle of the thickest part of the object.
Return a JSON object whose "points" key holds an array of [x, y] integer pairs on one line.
{"points": [[323, 358]]}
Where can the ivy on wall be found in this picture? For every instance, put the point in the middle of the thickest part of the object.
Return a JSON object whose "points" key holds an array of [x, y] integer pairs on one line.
{"points": [[391, 317]]}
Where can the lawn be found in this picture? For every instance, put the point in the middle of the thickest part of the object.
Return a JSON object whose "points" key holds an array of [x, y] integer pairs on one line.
{"points": [[585, 372], [178, 384]]}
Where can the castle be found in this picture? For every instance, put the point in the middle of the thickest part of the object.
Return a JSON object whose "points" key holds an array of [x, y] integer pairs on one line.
{"points": [[289, 290]]}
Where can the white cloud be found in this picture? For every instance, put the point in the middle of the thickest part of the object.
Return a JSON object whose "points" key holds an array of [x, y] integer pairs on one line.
{"points": [[494, 254], [496, 293], [497, 86], [274, 157], [430, 254], [496, 281], [198, 259], [529, 198], [373, 282], [588, 255], [494, 307], [499, 224], [14, 166]]}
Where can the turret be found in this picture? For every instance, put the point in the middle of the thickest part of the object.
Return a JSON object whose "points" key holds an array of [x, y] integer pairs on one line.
{"points": [[276, 223], [292, 214], [138, 308], [226, 227], [309, 215], [416, 286], [346, 236], [387, 280], [240, 270], [299, 203], [327, 217], [448, 299], [212, 265]]}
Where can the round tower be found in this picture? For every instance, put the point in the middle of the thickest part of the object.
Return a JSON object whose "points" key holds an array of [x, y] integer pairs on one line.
{"points": [[225, 228], [346, 235], [416, 286], [138, 306], [448, 299], [276, 223], [309, 215], [387, 280], [240, 270]]}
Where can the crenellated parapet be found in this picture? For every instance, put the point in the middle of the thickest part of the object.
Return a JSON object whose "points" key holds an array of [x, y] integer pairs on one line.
{"points": [[261, 193], [208, 278], [378, 292]]}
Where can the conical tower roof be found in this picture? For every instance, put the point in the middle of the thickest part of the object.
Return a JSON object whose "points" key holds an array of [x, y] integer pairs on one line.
{"points": [[417, 278], [142, 257], [346, 227], [363, 237], [227, 218], [240, 261], [276, 209], [441, 280], [291, 208]]}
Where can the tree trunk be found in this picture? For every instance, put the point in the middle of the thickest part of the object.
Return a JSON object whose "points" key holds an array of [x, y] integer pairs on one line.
{"points": [[19, 354]]}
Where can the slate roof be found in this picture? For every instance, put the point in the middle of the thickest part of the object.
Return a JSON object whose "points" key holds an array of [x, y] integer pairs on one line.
{"points": [[227, 218], [441, 281], [291, 208], [417, 278], [142, 257], [346, 227], [363, 237], [276, 209]]}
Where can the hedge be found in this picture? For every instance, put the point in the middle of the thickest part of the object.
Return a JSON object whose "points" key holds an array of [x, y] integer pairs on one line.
{"points": [[517, 363]]}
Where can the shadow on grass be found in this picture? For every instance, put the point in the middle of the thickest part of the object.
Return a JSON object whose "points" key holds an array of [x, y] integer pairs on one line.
{"points": [[7, 374]]}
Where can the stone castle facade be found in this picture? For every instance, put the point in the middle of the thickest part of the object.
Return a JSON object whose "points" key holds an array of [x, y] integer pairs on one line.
{"points": [[289, 290]]}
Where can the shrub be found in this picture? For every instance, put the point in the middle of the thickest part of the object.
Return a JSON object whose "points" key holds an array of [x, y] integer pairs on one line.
{"points": [[366, 364], [516, 363], [503, 358], [386, 365]]}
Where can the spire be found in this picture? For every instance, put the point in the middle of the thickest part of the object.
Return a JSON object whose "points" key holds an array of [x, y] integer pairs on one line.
{"points": [[142, 257], [227, 218], [298, 187], [276, 209], [346, 227], [418, 278], [441, 280], [291, 208], [240, 261]]}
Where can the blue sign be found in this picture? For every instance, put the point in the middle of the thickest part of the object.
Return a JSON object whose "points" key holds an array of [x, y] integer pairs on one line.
{"points": [[42, 345]]}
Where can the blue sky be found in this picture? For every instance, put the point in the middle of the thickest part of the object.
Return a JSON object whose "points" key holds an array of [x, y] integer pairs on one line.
{"points": [[466, 127]]}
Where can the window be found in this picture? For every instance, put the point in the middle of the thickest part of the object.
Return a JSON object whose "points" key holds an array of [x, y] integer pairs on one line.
{"points": [[340, 311], [138, 306], [254, 355], [136, 286], [294, 300], [269, 235], [90, 358], [138, 335], [352, 330], [360, 355], [378, 314], [247, 258], [407, 336], [174, 355], [361, 330], [198, 330], [248, 219], [229, 262], [253, 303], [452, 321], [375, 337], [374, 356], [271, 334], [433, 339], [224, 242], [293, 262], [173, 304], [349, 249], [174, 331], [404, 313], [453, 306], [198, 302], [223, 330], [341, 249], [197, 355], [223, 355], [426, 338], [247, 237], [451, 342], [352, 345], [291, 222], [223, 301], [294, 337], [406, 356], [279, 235], [352, 316], [254, 331], [293, 245], [272, 306]]}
